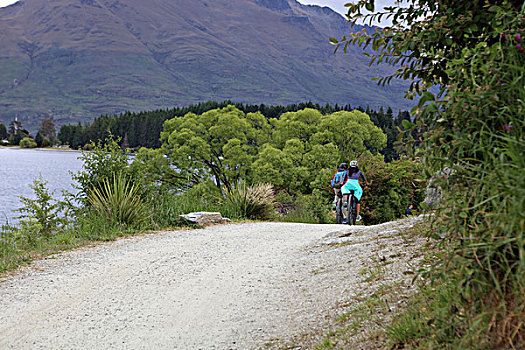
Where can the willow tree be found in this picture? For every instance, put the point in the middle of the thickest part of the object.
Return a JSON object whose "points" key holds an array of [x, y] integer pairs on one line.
{"points": [[308, 145], [220, 143]]}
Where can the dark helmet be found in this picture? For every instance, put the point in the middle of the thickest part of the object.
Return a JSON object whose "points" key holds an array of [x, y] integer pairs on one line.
{"points": [[353, 164], [343, 166]]}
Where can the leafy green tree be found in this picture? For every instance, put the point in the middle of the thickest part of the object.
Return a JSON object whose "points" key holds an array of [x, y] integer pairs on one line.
{"points": [[48, 129], [219, 143], [352, 132], [16, 132], [46, 142], [300, 125], [315, 144], [39, 139], [155, 172], [3, 132], [15, 127], [274, 166]]}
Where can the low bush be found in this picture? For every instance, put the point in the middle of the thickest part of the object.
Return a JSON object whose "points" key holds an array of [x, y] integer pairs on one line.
{"points": [[312, 209], [27, 142], [104, 161], [393, 187], [91, 226]]}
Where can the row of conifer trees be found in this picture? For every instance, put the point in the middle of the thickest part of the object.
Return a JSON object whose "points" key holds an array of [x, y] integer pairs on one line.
{"points": [[142, 129]]}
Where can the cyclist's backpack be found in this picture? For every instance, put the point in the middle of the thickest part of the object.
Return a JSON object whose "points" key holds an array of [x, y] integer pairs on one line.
{"points": [[339, 179]]}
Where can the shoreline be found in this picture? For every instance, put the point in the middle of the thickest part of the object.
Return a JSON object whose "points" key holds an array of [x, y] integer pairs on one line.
{"points": [[61, 149]]}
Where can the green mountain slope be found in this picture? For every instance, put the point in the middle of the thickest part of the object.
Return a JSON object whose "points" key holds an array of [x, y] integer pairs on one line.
{"points": [[77, 59]]}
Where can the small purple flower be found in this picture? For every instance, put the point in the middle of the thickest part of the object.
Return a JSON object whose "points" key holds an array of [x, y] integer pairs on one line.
{"points": [[503, 35], [508, 128], [519, 47], [517, 37]]}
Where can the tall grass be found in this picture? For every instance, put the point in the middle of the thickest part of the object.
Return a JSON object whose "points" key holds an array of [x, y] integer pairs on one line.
{"points": [[249, 202], [167, 207], [8, 248]]}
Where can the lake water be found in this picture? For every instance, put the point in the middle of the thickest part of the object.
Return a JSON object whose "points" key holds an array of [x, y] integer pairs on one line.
{"points": [[19, 168]]}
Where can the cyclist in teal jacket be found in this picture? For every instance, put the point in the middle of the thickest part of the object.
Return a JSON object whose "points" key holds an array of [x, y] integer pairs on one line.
{"points": [[353, 184]]}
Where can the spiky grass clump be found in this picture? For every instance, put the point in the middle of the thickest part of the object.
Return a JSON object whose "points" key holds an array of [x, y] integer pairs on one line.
{"points": [[117, 199], [252, 202]]}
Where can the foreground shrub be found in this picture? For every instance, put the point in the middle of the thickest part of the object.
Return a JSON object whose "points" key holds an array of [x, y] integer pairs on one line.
{"points": [[481, 137], [43, 209], [250, 202], [118, 201], [474, 51]]}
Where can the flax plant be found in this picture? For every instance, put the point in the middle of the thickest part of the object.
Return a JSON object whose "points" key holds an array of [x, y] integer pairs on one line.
{"points": [[117, 199]]}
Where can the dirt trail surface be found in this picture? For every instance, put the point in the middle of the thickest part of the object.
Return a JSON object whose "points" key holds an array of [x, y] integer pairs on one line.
{"points": [[237, 286]]}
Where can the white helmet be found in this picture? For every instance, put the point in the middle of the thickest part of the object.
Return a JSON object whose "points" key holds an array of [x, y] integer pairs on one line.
{"points": [[353, 164]]}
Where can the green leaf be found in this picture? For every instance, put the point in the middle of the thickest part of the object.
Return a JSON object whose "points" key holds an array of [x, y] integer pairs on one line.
{"points": [[407, 124], [427, 96]]}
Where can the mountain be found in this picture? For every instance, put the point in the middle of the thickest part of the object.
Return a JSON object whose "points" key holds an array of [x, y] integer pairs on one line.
{"points": [[77, 59]]}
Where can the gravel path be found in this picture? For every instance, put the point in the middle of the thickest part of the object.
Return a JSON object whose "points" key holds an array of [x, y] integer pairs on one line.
{"points": [[237, 286]]}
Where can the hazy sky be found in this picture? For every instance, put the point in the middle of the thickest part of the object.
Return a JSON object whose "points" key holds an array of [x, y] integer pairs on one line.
{"points": [[4, 3], [338, 5]]}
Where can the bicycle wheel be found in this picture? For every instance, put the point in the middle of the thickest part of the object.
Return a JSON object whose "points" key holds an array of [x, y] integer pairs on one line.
{"points": [[354, 211], [339, 211], [351, 210]]}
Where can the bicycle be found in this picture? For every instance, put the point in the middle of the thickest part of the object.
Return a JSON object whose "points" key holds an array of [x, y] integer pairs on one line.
{"points": [[351, 207]]}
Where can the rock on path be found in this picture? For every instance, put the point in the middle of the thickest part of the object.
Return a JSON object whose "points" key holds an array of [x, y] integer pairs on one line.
{"points": [[224, 287]]}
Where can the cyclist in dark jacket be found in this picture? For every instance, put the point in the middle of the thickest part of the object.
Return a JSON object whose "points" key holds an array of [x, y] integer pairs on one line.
{"points": [[339, 177]]}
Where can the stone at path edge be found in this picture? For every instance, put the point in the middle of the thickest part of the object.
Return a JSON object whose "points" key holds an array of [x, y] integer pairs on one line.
{"points": [[205, 218]]}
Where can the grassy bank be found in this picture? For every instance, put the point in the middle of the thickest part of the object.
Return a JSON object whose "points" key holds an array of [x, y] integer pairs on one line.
{"points": [[368, 320]]}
